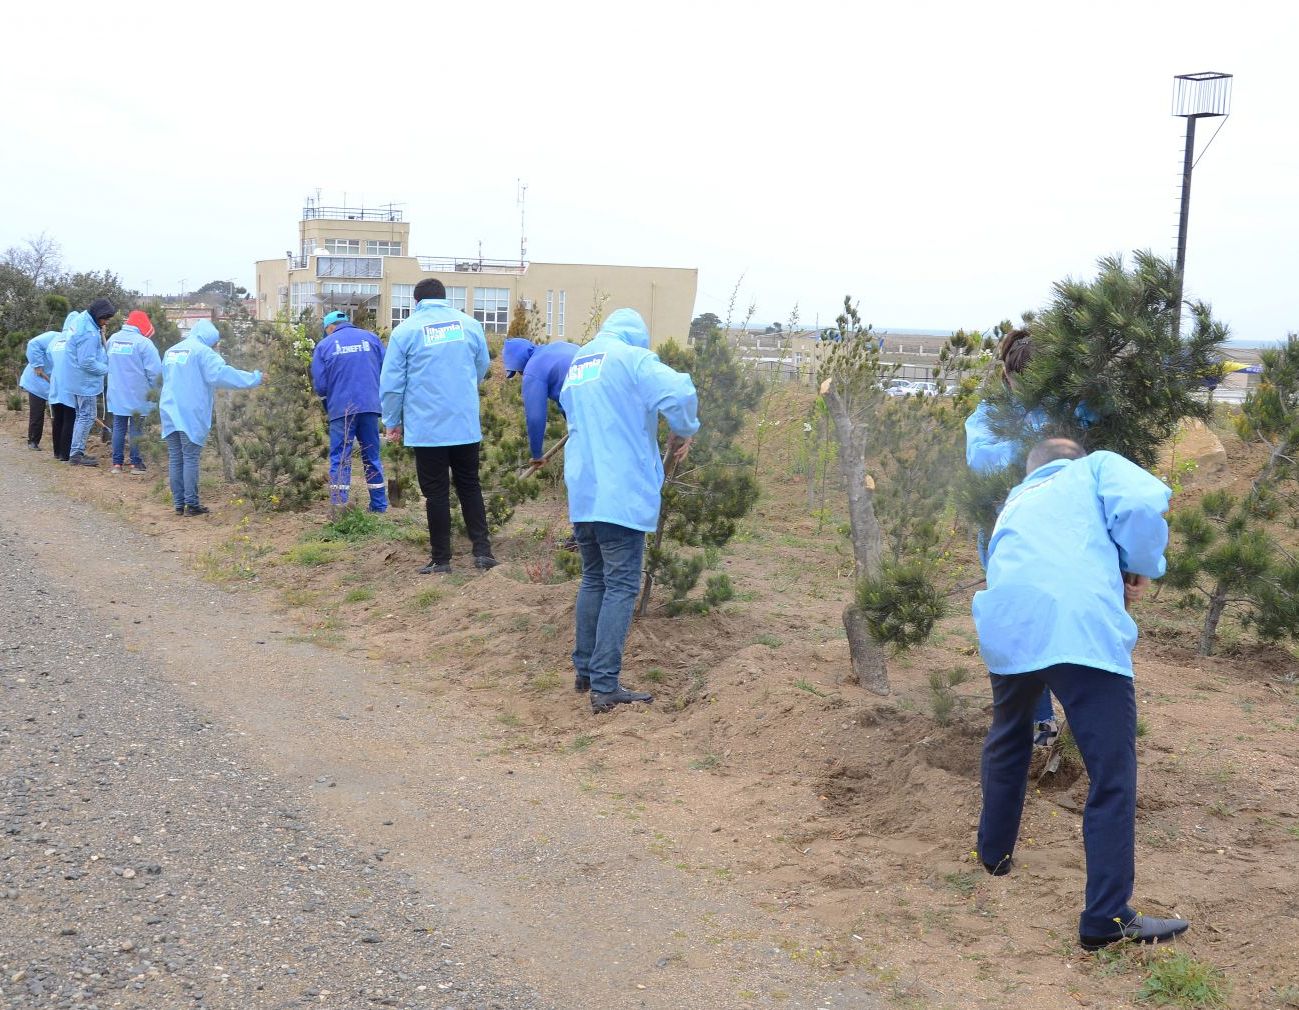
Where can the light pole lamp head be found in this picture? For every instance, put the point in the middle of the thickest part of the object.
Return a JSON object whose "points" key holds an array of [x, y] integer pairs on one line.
{"points": [[1202, 95]]}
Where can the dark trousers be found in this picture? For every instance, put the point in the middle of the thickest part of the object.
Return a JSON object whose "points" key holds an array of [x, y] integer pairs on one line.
{"points": [[64, 419], [431, 466], [1102, 711], [35, 418]]}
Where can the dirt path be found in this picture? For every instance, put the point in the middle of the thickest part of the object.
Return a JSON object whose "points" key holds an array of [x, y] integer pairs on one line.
{"points": [[549, 883]]}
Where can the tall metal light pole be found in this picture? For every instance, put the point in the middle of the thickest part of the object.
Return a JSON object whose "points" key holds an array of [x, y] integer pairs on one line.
{"points": [[1205, 95]]}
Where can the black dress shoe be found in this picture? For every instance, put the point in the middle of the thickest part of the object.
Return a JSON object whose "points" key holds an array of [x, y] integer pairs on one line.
{"points": [[484, 562], [1000, 869], [197, 510], [436, 568], [581, 684], [1142, 929], [607, 701]]}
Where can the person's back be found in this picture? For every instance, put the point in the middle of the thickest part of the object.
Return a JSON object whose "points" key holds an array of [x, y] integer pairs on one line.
{"points": [[134, 368], [614, 391], [430, 376], [57, 351], [1057, 554], [192, 372], [85, 362], [345, 370], [544, 370]]}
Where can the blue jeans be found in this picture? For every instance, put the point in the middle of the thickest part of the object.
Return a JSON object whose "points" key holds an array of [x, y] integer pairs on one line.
{"points": [[122, 424], [1102, 711], [611, 570], [364, 428], [182, 468], [86, 408]]}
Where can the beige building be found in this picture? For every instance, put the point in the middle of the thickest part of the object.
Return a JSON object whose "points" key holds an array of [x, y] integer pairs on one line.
{"points": [[360, 259]]}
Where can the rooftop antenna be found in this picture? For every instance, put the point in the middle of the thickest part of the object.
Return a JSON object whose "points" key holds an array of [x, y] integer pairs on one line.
{"points": [[522, 200]]}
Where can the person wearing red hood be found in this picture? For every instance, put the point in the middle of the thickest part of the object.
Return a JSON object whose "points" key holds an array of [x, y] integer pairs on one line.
{"points": [[134, 370]]}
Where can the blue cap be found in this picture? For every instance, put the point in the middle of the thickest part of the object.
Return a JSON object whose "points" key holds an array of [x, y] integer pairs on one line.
{"points": [[335, 317]]}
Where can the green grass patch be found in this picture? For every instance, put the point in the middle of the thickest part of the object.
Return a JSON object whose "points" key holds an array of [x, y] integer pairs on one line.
{"points": [[1177, 979], [299, 597], [509, 719], [705, 763], [803, 684], [547, 681], [582, 741], [316, 552], [962, 883], [770, 641], [358, 595], [425, 598], [1142, 728], [233, 561], [654, 675]]}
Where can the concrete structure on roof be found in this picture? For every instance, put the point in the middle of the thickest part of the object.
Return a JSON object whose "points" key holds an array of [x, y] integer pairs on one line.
{"points": [[359, 260]]}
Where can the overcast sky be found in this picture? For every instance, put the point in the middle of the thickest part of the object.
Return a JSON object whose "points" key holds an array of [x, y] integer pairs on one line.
{"points": [[942, 162]]}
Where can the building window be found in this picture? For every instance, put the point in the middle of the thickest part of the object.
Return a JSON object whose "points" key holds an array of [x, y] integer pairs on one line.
{"points": [[343, 246], [344, 288], [302, 296], [403, 300], [492, 308], [349, 266], [550, 313], [456, 298], [373, 248], [559, 321]]}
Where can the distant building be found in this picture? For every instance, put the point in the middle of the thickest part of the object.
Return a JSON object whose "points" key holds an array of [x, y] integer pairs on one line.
{"points": [[185, 316], [358, 259]]}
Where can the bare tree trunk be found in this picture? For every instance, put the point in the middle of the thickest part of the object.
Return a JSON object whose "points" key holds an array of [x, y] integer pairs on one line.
{"points": [[1217, 605], [869, 665], [221, 429]]}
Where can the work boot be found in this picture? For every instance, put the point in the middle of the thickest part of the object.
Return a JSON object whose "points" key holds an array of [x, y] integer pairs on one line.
{"points": [[180, 510], [485, 562], [81, 459], [196, 510], [581, 684], [436, 568], [1142, 929], [606, 701]]}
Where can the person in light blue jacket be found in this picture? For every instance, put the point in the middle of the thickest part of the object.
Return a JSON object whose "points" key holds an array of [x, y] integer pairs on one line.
{"points": [[429, 393], [36, 381], [86, 364], [1076, 543], [615, 390], [63, 404], [192, 372], [134, 371]]}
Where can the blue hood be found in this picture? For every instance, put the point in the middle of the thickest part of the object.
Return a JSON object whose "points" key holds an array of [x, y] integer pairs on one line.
{"points": [[515, 354], [627, 326], [207, 333]]}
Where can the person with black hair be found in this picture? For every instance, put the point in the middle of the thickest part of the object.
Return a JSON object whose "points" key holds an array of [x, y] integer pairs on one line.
{"points": [[428, 389]]}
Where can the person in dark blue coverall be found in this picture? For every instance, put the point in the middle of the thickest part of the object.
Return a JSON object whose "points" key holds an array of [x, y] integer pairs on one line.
{"points": [[345, 371]]}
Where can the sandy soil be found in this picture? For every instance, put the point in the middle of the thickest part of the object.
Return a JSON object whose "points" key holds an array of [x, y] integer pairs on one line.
{"points": [[845, 819]]}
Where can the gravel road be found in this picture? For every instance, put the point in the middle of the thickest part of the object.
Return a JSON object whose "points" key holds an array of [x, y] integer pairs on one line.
{"points": [[147, 861]]}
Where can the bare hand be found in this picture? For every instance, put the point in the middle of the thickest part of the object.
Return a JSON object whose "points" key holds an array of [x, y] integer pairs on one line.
{"points": [[679, 448], [1134, 587], [393, 435]]}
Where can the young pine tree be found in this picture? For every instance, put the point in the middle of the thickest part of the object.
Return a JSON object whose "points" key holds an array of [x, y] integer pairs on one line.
{"points": [[1227, 556], [705, 498], [278, 434]]}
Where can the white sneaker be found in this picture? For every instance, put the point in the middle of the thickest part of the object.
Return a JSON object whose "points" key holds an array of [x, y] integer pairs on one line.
{"points": [[117, 468]]}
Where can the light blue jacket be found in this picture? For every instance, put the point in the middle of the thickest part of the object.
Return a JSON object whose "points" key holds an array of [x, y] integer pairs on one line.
{"points": [[57, 353], [192, 372], [986, 452], [134, 369], [431, 371], [615, 390], [1055, 564], [38, 356], [85, 362]]}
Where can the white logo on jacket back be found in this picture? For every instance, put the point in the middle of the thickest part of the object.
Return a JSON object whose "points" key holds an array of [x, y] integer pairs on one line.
{"points": [[443, 333], [585, 368], [120, 347], [177, 357]]}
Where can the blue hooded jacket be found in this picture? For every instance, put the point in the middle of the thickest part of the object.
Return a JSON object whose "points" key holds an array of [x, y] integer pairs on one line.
{"points": [[429, 382], [38, 356], [615, 390], [345, 371], [1056, 560], [544, 369], [85, 362], [57, 352], [134, 369], [192, 372]]}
